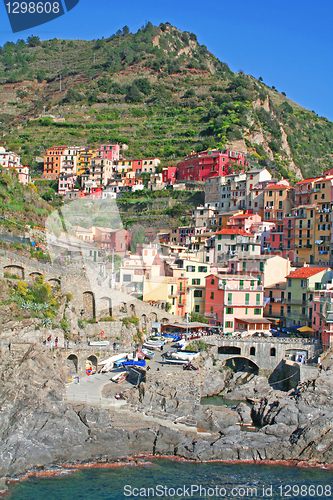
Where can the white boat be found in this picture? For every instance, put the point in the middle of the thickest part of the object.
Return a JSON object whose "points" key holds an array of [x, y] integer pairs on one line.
{"points": [[185, 356], [153, 345], [108, 364], [98, 342], [120, 377]]}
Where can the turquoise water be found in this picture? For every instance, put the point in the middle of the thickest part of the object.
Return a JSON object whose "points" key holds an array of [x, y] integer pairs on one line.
{"points": [[162, 478]]}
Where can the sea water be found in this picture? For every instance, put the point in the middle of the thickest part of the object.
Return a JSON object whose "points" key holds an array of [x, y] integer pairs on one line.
{"points": [[168, 479]]}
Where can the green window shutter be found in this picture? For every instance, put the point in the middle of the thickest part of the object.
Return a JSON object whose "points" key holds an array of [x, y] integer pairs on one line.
{"points": [[220, 237], [261, 266], [180, 286], [258, 298], [212, 295], [247, 298], [252, 283], [218, 247], [231, 324], [246, 310], [187, 268], [229, 298], [232, 237], [244, 266]]}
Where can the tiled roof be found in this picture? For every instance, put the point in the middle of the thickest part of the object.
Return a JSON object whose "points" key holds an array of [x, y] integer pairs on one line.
{"points": [[240, 232], [277, 186], [307, 272]]}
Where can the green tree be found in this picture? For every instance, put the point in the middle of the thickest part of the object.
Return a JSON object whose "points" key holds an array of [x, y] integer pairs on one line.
{"points": [[126, 30], [133, 95]]}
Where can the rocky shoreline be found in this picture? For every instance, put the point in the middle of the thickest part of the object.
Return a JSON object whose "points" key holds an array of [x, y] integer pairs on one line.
{"points": [[42, 434]]}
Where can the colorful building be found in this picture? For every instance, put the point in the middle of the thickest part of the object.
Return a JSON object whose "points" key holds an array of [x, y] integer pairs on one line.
{"points": [[301, 285], [236, 303], [209, 163]]}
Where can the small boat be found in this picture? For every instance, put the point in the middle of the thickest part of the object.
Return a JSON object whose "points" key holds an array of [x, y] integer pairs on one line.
{"points": [[133, 362], [153, 345], [148, 354], [140, 355], [120, 377]]}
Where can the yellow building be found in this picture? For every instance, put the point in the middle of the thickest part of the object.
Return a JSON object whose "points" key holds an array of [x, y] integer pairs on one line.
{"points": [[84, 157]]}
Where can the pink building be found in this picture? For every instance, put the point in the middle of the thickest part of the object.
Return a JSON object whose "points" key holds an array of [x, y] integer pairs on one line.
{"points": [[110, 151], [236, 303], [244, 221], [23, 174], [322, 315]]}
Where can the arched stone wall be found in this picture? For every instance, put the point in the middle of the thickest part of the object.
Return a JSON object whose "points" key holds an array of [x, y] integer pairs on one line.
{"points": [[14, 270]]}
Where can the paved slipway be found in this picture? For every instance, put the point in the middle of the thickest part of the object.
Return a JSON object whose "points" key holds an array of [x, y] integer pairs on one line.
{"points": [[40, 430]]}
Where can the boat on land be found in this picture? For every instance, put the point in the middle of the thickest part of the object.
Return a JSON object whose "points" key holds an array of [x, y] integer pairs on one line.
{"points": [[133, 362], [120, 377], [153, 344], [109, 363], [148, 354]]}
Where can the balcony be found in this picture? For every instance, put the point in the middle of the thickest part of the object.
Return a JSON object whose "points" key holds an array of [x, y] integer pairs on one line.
{"points": [[295, 302]]}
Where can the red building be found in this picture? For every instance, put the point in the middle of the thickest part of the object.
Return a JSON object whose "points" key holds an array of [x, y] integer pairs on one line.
{"points": [[210, 163], [169, 175]]}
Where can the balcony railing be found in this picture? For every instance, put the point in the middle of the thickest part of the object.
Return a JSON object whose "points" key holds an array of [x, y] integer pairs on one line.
{"points": [[295, 302]]}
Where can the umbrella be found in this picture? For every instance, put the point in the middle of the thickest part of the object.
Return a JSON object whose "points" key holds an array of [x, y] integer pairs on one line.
{"points": [[305, 329]]}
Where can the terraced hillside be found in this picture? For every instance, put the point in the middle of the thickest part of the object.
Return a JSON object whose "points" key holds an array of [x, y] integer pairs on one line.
{"points": [[158, 92]]}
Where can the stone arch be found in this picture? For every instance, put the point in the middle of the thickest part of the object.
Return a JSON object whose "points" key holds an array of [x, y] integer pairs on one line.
{"points": [[72, 363], [92, 361], [14, 271], [54, 282], [242, 364], [229, 349], [105, 306], [34, 276], [153, 317], [132, 309], [252, 351], [164, 320], [89, 305], [272, 352], [123, 307]]}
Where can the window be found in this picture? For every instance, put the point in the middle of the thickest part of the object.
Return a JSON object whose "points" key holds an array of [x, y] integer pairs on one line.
{"points": [[289, 282], [252, 351], [244, 266], [241, 284], [219, 248], [196, 281], [280, 193], [212, 281], [229, 310], [190, 269], [247, 299], [273, 351], [219, 237], [197, 309], [171, 289], [212, 295], [258, 299], [270, 193], [197, 293], [252, 283], [211, 309], [229, 298], [202, 269], [127, 277], [261, 266], [303, 283], [229, 324], [257, 311]]}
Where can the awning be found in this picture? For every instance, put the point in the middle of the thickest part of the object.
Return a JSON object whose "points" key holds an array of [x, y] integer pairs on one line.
{"points": [[305, 329], [319, 242], [253, 320]]}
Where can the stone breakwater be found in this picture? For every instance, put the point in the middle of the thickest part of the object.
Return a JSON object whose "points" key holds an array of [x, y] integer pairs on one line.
{"points": [[39, 432]]}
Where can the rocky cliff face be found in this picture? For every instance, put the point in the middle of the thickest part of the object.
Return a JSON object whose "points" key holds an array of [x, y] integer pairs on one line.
{"points": [[39, 431]]}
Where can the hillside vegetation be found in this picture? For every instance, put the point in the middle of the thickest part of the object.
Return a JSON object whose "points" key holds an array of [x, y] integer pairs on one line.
{"points": [[159, 92]]}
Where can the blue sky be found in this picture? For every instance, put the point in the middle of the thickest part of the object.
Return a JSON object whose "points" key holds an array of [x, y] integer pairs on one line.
{"points": [[289, 43]]}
